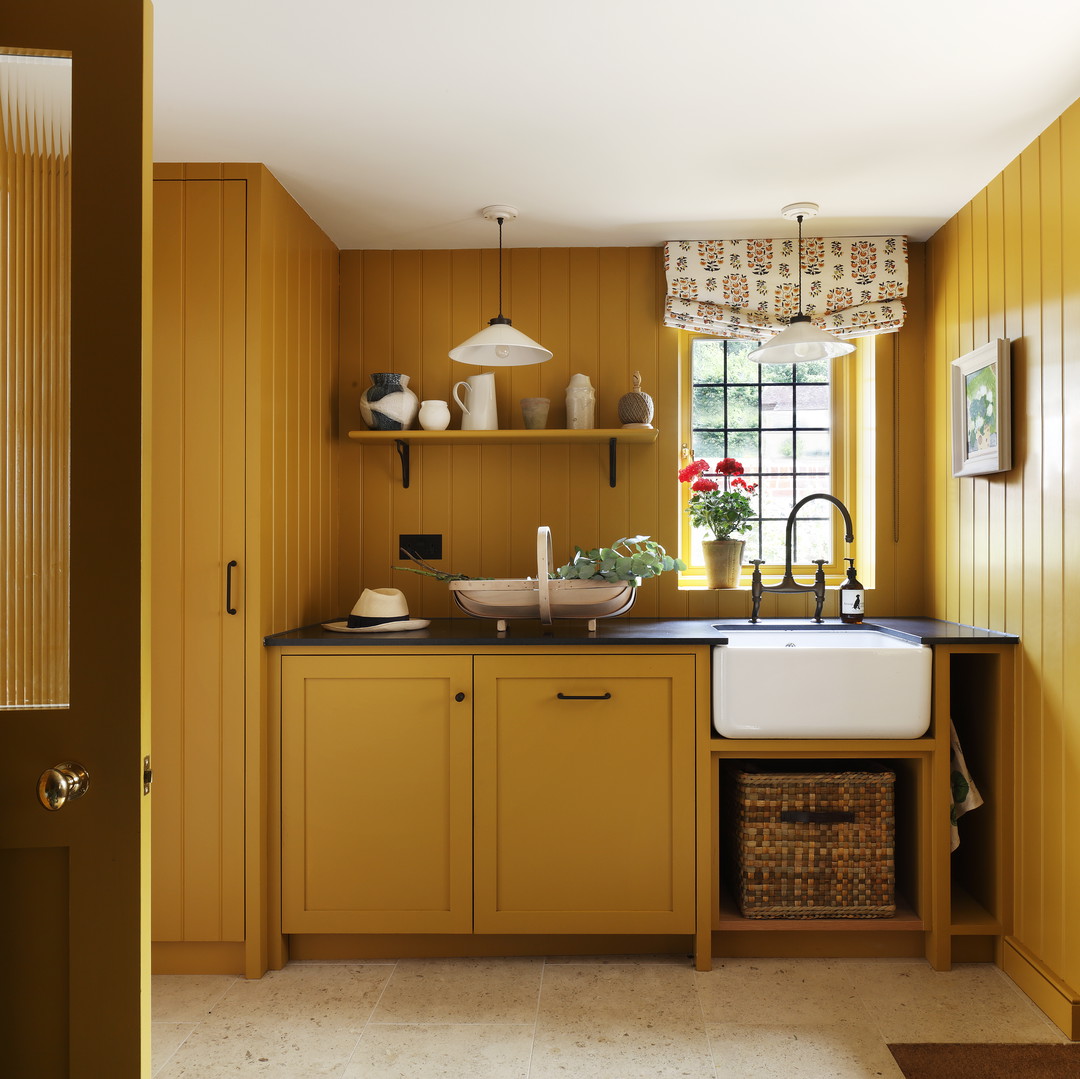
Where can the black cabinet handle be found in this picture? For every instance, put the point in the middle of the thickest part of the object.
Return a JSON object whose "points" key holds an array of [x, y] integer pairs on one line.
{"points": [[459, 697], [571, 697], [229, 608]]}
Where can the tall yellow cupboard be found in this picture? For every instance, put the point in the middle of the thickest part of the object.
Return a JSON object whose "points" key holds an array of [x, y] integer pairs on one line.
{"points": [[242, 516]]}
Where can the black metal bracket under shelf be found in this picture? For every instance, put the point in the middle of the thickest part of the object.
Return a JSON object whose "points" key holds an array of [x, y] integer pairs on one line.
{"points": [[402, 447]]}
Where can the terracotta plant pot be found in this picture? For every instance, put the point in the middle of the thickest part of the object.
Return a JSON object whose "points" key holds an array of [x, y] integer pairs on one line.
{"points": [[723, 562]]}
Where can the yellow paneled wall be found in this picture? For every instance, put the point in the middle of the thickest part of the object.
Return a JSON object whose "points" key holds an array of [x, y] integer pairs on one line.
{"points": [[599, 311], [1004, 550]]}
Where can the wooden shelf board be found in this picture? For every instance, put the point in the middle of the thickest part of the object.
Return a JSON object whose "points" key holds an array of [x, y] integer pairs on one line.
{"points": [[968, 917], [905, 920], [628, 435], [824, 748]]}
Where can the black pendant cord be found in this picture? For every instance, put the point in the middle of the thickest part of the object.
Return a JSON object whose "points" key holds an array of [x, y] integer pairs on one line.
{"points": [[800, 264], [500, 220]]}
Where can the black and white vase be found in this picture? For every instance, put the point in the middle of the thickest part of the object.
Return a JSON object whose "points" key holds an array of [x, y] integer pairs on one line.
{"points": [[388, 404]]}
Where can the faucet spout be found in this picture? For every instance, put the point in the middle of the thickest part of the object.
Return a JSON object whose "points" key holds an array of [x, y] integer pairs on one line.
{"points": [[849, 536], [789, 584]]}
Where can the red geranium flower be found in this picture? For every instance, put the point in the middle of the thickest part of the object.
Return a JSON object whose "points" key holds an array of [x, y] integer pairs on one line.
{"points": [[692, 470], [704, 485], [740, 484], [729, 467]]}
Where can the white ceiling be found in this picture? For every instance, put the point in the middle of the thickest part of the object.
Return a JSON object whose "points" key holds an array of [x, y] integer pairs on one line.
{"points": [[612, 122]]}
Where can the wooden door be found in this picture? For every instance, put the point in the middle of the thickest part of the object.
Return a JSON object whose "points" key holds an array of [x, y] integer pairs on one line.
{"points": [[376, 791], [584, 794], [199, 570], [72, 882]]}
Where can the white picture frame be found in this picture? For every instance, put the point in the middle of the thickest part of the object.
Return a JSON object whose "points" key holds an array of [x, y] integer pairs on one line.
{"points": [[982, 410]]}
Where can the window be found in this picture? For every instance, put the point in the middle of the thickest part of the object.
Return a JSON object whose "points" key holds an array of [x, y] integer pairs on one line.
{"points": [[777, 420]]}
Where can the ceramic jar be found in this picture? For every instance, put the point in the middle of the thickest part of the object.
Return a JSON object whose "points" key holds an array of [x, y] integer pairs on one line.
{"points": [[580, 404], [434, 415], [388, 404], [723, 562]]}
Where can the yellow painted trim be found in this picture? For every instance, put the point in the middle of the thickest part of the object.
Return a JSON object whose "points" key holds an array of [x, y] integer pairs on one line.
{"points": [[1059, 1001], [197, 957]]}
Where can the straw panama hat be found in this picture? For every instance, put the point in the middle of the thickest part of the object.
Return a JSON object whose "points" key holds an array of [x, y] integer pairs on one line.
{"points": [[379, 610]]}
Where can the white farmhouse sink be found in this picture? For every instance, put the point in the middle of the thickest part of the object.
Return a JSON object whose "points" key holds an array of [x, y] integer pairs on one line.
{"points": [[820, 683]]}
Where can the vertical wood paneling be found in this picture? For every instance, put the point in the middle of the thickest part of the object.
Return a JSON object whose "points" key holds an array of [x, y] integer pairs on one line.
{"points": [[1070, 464], [1032, 854], [1025, 273], [599, 311], [196, 650]]}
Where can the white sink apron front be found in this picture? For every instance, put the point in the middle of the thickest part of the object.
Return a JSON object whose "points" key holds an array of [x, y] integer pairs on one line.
{"points": [[813, 683]]}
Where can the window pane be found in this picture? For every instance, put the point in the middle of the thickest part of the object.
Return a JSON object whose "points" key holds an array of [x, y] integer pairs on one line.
{"points": [[777, 406], [818, 371], [740, 369], [814, 445], [743, 406], [710, 445], [776, 372], [708, 361], [708, 406], [812, 406], [813, 538]]}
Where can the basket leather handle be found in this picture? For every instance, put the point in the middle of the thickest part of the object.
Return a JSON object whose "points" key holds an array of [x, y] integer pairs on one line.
{"points": [[543, 568], [817, 816]]}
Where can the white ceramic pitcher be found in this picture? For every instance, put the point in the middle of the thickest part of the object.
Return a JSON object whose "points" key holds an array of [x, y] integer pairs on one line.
{"points": [[478, 408]]}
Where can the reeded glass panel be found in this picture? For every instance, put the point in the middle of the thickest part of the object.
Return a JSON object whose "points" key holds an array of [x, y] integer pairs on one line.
{"points": [[35, 242], [776, 420]]}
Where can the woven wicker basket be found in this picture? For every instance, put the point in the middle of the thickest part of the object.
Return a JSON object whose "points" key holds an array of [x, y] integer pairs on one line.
{"points": [[815, 845]]}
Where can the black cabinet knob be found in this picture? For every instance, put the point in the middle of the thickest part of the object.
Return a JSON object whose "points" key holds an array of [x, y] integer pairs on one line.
{"points": [[459, 696]]}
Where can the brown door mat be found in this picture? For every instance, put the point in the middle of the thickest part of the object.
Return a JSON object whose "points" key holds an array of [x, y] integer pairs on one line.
{"points": [[987, 1061]]}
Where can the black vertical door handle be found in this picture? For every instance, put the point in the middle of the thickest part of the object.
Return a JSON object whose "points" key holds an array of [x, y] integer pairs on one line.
{"points": [[229, 608]]}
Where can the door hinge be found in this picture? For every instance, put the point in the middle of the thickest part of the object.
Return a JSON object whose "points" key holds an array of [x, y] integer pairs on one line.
{"points": [[147, 775]]}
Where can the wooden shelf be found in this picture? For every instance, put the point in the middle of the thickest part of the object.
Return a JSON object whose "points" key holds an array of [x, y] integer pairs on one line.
{"points": [[968, 917], [403, 440], [546, 437]]}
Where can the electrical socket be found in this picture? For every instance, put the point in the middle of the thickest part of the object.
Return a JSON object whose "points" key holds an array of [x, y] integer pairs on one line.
{"points": [[425, 545]]}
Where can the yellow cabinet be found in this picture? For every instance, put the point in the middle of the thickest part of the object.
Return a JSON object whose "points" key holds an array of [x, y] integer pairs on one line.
{"points": [[556, 796], [584, 794], [376, 794]]}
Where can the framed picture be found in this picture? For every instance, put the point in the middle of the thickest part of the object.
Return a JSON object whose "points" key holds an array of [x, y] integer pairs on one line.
{"points": [[981, 411]]}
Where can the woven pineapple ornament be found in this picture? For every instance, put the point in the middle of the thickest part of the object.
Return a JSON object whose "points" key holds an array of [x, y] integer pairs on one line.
{"points": [[635, 407]]}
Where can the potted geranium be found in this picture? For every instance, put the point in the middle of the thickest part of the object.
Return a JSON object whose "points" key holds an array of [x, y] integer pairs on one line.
{"points": [[723, 512]]}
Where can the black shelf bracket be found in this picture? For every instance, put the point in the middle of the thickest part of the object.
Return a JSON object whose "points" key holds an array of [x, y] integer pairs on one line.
{"points": [[402, 447], [403, 452]]}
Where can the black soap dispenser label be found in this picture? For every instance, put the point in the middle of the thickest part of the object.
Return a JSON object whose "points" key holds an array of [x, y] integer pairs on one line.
{"points": [[852, 596]]}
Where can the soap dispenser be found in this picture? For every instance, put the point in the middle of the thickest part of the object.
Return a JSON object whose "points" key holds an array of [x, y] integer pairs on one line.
{"points": [[851, 596]]}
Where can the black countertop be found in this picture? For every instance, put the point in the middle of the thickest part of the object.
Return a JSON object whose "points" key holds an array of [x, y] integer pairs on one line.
{"points": [[636, 631]]}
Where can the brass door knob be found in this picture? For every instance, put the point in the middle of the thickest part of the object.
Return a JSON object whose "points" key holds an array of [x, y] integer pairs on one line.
{"points": [[62, 784]]}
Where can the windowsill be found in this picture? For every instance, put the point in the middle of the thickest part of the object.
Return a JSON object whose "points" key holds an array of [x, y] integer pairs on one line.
{"points": [[694, 582]]}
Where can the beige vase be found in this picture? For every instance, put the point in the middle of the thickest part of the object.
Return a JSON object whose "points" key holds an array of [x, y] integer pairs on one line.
{"points": [[723, 562]]}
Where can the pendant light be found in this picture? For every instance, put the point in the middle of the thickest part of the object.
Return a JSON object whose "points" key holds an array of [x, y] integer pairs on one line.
{"points": [[801, 341], [499, 344]]}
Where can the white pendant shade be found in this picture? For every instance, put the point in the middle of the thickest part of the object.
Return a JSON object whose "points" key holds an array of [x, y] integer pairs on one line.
{"points": [[500, 345], [800, 342]]}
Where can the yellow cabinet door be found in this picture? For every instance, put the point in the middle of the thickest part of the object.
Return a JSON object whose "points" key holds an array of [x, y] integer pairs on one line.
{"points": [[376, 791], [199, 615], [584, 794]]}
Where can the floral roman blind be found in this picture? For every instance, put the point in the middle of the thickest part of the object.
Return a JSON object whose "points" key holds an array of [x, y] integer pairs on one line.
{"points": [[852, 286]]}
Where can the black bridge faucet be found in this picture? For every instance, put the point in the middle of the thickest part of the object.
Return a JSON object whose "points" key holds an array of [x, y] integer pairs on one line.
{"points": [[789, 584]]}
